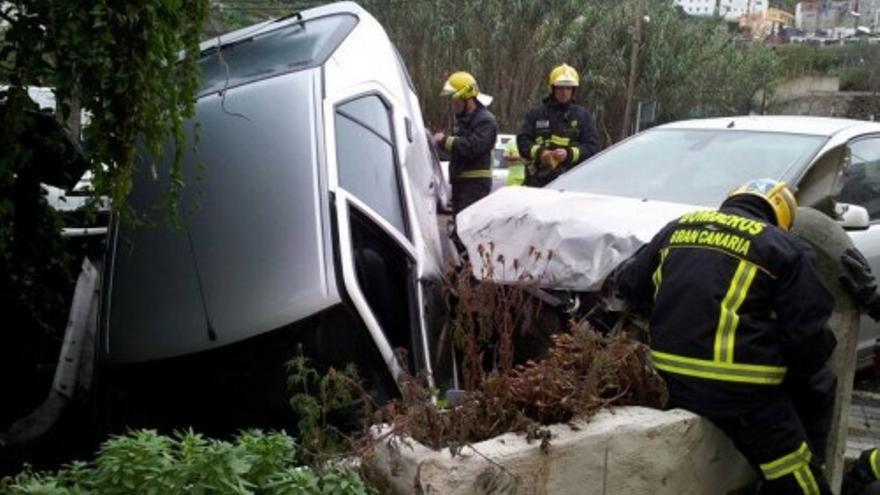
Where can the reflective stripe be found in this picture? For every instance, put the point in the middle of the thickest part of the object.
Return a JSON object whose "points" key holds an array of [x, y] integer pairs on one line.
{"points": [[475, 174], [807, 481], [534, 151], [559, 140], [713, 370], [796, 464], [788, 463], [874, 467], [448, 144], [658, 273], [729, 319], [575, 153]]}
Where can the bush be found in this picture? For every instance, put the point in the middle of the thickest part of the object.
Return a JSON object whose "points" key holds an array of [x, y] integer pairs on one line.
{"points": [[582, 373], [576, 373], [147, 462], [805, 60], [856, 79]]}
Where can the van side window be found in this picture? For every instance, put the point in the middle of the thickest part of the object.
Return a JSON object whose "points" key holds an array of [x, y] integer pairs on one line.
{"points": [[366, 157], [862, 176]]}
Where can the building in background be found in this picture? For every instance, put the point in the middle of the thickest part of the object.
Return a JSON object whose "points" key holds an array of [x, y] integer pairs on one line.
{"points": [[731, 10], [837, 15]]}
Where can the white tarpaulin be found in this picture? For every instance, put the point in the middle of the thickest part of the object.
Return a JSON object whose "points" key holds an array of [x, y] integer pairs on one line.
{"points": [[562, 240]]}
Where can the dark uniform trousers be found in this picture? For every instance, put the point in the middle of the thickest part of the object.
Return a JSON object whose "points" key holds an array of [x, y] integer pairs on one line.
{"points": [[466, 192], [776, 441], [738, 331]]}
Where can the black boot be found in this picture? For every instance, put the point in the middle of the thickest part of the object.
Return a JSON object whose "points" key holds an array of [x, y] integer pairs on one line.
{"points": [[861, 479]]}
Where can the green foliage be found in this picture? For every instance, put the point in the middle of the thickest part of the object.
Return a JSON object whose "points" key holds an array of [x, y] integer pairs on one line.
{"points": [[147, 462], [805, 60], [131, 65], [689, 67], [316, 399]]}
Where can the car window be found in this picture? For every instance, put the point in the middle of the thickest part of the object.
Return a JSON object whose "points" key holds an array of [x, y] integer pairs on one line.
{"points": [[366, 159], [289, 48], [861, 177], [690, 166], [370, 112]]}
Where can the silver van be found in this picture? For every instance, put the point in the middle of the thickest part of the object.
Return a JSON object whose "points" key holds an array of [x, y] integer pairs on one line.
{"points": [[309, 218]]}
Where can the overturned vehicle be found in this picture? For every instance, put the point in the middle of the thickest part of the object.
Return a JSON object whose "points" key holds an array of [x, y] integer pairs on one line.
{"points": [[309, 220]]}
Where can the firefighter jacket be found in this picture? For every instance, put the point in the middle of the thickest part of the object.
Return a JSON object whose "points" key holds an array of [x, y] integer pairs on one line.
{"points": [[470, 147], [552, 125], [735, 306]]}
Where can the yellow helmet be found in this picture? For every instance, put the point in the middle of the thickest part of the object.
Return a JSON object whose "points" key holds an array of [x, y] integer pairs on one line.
{"points": [[776, 194], [564, 76], [460, 85]]}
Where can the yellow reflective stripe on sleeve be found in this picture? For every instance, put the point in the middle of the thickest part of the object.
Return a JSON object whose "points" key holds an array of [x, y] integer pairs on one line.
{"points": [[575, 153], [712, 370], [475, 174], [874, 466], [658, 273], [533, 152], [447, 145], [806, 481], [729, 319], [788, 463], [559, 140]]}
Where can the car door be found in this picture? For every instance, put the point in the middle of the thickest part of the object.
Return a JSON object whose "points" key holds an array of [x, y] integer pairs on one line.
{"points": [[861, 186], [375, 227]]}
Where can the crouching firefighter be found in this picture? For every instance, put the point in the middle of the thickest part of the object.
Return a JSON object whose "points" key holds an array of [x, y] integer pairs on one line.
{"points": [[738, 330]]}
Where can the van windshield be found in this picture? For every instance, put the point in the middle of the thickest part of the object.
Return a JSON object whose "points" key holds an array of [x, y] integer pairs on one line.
{"points": [[289, 48]]}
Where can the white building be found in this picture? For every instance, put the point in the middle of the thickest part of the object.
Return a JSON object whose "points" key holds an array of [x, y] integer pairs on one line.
{"points": [[831, 15], [732, 10]]}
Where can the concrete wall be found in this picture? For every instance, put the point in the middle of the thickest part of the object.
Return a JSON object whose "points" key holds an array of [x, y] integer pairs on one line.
{"points": [[853, 105], [620, 451]]}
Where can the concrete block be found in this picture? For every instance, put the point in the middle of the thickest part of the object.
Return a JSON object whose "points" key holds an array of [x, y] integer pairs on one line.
{"points": [[621, 451]]}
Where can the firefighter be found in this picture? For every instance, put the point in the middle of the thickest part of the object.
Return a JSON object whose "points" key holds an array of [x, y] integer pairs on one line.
{"points": [[558, 133], [471, 143], [738, 330]]}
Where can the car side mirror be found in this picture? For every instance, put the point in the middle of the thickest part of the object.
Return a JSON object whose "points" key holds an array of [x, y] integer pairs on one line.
{"points": [[853, 217]]}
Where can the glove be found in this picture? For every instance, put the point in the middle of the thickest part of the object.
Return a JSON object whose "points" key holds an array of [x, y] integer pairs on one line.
{"points": [[860, 282], [549, 160]]}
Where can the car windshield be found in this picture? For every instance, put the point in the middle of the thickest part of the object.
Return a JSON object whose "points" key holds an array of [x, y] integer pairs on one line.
{"points": [[292, 47], [690, 166]]}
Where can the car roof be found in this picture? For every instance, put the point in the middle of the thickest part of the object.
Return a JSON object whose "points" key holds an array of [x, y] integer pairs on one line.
{"points": [[819, 126]]}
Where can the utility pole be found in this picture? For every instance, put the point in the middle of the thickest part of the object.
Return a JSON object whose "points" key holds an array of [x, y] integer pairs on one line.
{"points": [[633, 71]]}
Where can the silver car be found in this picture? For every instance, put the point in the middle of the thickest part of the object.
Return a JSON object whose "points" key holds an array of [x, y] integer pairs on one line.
{"points": [[599, 213], [696, 162]]}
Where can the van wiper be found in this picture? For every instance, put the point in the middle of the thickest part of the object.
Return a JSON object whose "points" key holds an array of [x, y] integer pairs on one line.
{"points": [[296, 14], [222, 46]]}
